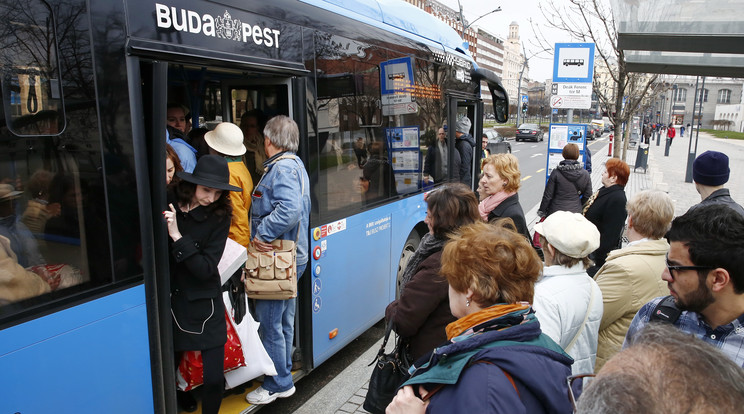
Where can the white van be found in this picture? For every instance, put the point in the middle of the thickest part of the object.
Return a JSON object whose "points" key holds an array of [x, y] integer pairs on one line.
{"points": [[608, 125]]}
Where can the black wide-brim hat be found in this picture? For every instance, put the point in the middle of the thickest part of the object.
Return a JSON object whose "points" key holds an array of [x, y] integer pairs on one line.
{"points": [[210, 171]]}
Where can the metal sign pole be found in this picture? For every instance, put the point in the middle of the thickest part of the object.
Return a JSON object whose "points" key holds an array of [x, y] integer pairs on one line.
{"points": [[691, 153]]}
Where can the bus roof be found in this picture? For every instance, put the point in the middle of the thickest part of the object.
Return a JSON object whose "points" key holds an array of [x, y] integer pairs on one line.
{"points": [[396, 14]]}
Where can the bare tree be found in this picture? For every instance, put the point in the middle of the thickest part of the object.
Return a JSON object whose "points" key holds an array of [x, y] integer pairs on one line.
{"points": [[592, 21]]}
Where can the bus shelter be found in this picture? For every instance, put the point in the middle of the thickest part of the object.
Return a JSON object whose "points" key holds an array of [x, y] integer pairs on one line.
{"points": [[682, 37]]}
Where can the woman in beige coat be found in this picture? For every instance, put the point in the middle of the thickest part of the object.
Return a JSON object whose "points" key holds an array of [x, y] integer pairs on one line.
{"points": [[631, 276]]}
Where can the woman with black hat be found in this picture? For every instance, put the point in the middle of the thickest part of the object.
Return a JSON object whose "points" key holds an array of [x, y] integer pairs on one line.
{"points": [[198, 225]]}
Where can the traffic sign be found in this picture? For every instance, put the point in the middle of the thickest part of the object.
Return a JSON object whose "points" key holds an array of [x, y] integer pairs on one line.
{"points": [[573, 62], [554, 89], [571, 102], [574, 89], [525, 99]]}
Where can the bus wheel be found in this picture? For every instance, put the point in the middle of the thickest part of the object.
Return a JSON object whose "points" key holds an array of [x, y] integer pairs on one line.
{"points": [[409, 248]]}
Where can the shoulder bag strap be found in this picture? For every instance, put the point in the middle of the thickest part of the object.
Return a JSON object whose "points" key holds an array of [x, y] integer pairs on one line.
{"points": [[586, 317], [381, 352], [665, 311], [572, 182]]}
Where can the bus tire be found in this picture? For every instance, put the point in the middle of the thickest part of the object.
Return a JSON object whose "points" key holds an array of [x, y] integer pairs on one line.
{"points": [[410, 246]]}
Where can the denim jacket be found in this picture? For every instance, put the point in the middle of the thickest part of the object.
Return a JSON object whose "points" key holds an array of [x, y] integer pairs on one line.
{"points": [[276, 207]]}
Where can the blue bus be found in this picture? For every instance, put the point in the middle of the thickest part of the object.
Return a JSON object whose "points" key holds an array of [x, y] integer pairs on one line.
{"points": [[85, 323]]}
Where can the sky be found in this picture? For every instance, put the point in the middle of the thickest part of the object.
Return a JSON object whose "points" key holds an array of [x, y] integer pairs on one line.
{"points": [[541, 65]]}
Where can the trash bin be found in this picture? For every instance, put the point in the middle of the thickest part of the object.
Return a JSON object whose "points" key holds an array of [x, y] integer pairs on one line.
{"points": [[641, 159]]}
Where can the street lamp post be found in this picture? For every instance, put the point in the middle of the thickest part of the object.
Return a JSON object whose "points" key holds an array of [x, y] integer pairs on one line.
{"points": [[663, 99], [462, 19], [525, 64], [519, 88]]}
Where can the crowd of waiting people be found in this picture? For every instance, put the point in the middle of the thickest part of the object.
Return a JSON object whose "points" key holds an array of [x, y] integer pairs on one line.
{"points": [[596, 325], [494, 318]]}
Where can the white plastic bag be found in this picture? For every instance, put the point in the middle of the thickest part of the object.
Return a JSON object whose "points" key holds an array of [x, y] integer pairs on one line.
{"points": [[257, 360]]}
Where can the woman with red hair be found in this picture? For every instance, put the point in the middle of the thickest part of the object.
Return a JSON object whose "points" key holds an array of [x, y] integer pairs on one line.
{"points": [[606, 210]]}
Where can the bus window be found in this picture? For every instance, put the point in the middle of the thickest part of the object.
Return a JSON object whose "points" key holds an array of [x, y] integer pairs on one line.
{"points": [[354, 158], [250, 107], [69, 222], [32, 100]]}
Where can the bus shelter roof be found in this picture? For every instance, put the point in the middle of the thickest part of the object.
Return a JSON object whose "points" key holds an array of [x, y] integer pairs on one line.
{"points": [[681, 36]]}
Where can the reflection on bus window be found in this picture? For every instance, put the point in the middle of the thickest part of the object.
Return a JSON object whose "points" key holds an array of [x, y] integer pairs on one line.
{"points": [[27, 257], [378, 180], [350, 127], [30, 76]]}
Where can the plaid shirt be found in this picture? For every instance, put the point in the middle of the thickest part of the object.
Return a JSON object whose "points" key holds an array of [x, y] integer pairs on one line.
{"points": [[728, 338]]}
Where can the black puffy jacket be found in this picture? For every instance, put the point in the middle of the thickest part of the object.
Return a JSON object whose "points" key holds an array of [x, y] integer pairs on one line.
{"points": [[568, 187]]}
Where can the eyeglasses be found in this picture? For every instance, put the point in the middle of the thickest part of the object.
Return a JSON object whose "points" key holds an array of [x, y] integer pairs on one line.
{"points": [[672, 267], [579, 387]]}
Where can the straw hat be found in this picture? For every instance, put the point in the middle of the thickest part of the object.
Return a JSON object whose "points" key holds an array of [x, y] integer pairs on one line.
{"points": [[8, 192], [226, 138]]}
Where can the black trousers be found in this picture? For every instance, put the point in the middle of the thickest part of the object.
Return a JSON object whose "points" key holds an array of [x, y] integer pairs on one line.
{"points": [[214, 379]]}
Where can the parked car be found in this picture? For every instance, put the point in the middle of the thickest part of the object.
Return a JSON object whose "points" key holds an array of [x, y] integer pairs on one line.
{"points": [[497, 143], [529, 132], [590, 133], [608, 126], [598, 126]]}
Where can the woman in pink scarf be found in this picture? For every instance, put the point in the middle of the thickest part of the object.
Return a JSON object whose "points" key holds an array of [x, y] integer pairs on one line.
{"points": [[498, 188]]}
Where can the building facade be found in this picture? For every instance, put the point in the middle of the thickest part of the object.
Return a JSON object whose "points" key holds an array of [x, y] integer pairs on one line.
{"points": [[491, 57], [729, 117], [715, 92], [513, 65], [489, 50]]}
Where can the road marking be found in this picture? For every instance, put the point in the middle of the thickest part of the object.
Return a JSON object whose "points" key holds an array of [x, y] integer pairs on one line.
{"points": [[539, 154], [529, 176], [515, 151], [541, 170]]}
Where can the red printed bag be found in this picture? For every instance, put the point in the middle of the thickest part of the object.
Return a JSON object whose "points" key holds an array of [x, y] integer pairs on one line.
{"points": [[190, 372]]}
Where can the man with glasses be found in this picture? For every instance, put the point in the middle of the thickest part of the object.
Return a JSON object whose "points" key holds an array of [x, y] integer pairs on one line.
{"points": [[705, 276], [631, 276]]}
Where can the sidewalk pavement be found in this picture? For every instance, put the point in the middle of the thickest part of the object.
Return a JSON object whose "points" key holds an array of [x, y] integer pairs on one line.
{"points": [[345, 393]]}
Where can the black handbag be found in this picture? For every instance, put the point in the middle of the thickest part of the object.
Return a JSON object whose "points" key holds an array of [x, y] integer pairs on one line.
{"points": [[236, 290], [390, 371]]}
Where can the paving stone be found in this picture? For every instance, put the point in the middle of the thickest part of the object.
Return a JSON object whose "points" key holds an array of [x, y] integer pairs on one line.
{"points": [[349, 407]]}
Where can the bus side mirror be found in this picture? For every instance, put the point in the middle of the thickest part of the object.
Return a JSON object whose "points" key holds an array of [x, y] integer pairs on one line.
{"points": [[498, 93]]}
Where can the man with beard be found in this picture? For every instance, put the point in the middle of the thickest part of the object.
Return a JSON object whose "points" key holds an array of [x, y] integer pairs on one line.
{"points": [[705, 276]]}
